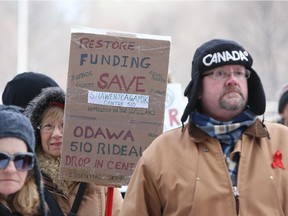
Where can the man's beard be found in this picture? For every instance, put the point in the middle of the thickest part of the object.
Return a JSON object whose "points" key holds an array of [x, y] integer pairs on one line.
{"points": [[226, 104]]}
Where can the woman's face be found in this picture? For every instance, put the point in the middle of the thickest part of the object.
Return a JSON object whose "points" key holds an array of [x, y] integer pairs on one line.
{"points": [[11, 180], [52, 131]]}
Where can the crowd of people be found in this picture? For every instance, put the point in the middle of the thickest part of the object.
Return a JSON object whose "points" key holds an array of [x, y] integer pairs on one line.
{"points": [[224, 160], [40, 104]]}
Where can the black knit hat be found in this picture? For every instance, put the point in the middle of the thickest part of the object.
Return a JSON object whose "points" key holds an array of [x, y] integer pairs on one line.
{"points": [[24, 87], [283, 99], [14, 124], [34, 111], [216, 53]]}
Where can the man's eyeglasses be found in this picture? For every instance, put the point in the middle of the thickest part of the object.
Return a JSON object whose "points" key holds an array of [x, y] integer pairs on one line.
{"points": [[224, 75], [22, 161], [49, 128]]}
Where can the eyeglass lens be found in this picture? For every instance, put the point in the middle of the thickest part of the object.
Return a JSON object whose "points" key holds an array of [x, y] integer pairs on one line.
{"points": [[22, 161], [49, 128]]}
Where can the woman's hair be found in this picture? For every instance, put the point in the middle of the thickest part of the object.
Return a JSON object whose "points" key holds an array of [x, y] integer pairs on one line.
{"points": [[53, 112], [25, 201]]}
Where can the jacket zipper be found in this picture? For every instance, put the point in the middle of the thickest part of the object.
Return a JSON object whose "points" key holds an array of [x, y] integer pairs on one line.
{"points": [[236, 195]]}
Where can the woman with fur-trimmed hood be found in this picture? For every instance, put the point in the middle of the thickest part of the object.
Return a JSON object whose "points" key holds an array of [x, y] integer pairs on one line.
{"points": [[46, 113]]}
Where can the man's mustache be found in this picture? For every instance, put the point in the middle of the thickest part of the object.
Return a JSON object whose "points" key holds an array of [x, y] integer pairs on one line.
{"points": [[230, 89]]}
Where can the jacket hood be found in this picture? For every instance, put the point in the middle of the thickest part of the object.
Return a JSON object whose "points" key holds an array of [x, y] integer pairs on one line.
{"points": [[51, 96]]}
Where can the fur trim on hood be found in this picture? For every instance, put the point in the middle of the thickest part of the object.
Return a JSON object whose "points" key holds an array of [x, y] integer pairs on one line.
{"points": [[50, 166]]}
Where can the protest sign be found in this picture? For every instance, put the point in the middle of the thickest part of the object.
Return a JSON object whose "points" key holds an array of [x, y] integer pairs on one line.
{"points": [[115, 103], [174, 106]]}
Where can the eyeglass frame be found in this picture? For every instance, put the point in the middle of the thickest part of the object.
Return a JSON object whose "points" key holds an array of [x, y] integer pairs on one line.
{"points": [[14, 157], [246, 76], [50, 131]]}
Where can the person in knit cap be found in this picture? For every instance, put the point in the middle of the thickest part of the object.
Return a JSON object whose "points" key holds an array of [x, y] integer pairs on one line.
{"points": [[283, 106], [46, 113], [24, 87], [20, 178], [224, 160]]}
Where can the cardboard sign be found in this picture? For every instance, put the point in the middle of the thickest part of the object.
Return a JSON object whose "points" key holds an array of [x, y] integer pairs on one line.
{"points": [[115, 103], [174, 106]]}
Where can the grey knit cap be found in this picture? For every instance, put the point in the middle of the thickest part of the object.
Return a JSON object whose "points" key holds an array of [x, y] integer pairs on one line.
{"points": [[34, 111], [14, 124]]}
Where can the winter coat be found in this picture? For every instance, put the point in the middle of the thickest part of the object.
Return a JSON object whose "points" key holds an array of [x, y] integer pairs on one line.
{"points": [[4, 211], [53, 206], [93, 202], [185, 173]]}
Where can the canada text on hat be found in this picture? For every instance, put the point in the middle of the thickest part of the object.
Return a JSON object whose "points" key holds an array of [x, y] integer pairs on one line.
{"points": [[216, 53], [225, 56]]}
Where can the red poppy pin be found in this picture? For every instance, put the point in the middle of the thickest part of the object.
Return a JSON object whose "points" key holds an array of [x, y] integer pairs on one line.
{"points": [[277, 160]]}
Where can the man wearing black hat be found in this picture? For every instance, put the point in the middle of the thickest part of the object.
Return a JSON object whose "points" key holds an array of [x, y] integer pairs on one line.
{"points": [[224, 160], [24, 87]]}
